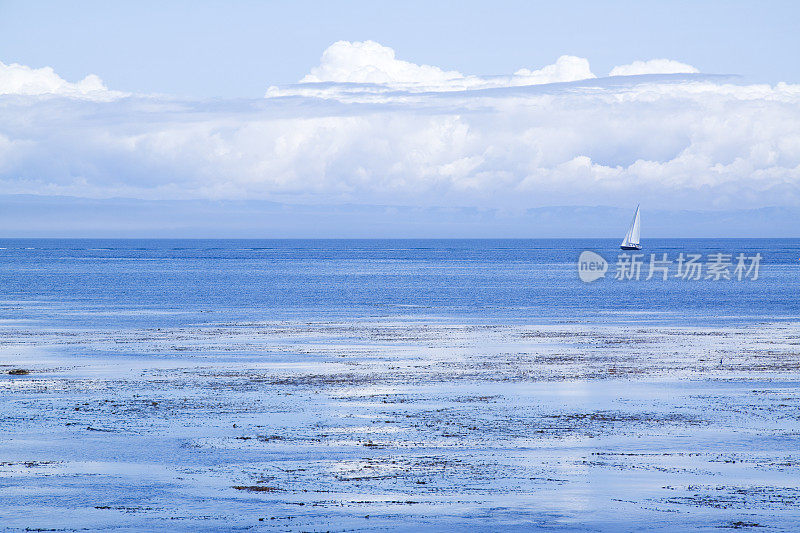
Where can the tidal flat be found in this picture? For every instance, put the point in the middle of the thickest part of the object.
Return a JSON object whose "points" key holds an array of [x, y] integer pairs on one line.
{"points": [[400, 423]]}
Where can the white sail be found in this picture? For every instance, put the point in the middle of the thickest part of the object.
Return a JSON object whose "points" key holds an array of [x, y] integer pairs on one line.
{"points": [[632, 237], [635, 227]]}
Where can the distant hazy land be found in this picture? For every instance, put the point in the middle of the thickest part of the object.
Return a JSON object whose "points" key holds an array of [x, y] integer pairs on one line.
{"points": [[67, 217]]}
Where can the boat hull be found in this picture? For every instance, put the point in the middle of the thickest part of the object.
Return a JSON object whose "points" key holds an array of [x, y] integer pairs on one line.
{"points": [[631, 247]]}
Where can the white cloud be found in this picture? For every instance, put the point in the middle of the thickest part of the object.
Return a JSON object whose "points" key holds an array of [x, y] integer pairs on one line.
{"points": [[653, 66], [678, 142], [23, 80], [376, 66], [367, 70], [567, 68], [371, 62]]}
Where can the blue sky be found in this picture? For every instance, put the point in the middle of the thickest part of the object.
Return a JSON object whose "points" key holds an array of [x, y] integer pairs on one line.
{"points": [[237, 48], [354, 115]]}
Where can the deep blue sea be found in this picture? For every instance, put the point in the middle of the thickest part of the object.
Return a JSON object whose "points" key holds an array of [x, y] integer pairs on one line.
{"points": [[143, 283]]}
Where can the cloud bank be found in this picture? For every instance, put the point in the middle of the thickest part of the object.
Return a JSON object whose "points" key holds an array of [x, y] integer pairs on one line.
{"points": [[366, 128]]}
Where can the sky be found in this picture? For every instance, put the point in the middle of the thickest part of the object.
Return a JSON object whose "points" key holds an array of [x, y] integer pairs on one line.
{"points": [[236, 48], [508, 108]]}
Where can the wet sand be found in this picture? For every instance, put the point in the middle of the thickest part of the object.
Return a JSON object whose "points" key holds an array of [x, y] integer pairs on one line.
{"points": [[401, 424]]}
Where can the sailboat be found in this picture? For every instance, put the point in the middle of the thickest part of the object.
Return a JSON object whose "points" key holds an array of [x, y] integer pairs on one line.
{"points": [[631, 240]]}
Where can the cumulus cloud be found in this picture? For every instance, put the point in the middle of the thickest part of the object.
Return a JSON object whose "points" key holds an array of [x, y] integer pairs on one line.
{"points": [[679, 141], [653, 66], [368, 69], [371, 62], [566, 68], [376, 69], [23, 80]]}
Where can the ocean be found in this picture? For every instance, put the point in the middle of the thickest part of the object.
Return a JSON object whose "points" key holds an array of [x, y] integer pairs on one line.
{"points": [[492, 280], [410, 385]]}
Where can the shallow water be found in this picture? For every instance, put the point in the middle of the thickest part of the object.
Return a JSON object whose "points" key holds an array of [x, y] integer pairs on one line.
{"points": [[363, 385]]}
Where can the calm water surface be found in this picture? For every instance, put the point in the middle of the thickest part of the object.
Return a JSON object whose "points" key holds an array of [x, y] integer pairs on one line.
{"points": [[167, 282]]}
